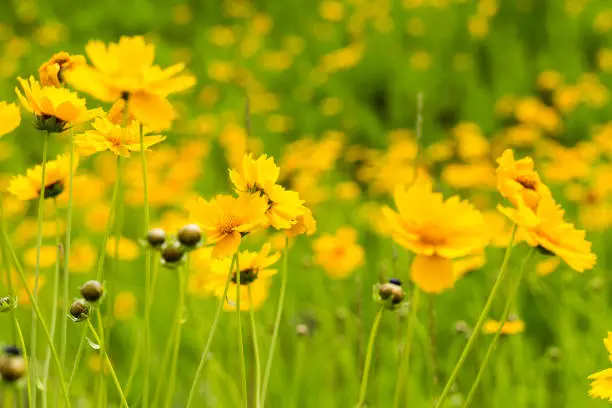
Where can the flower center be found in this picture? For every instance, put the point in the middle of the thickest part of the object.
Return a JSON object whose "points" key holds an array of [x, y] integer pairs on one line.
{"points": [[54, 189], [526, 182], [228, 223], [432, 235], [247, 276]]}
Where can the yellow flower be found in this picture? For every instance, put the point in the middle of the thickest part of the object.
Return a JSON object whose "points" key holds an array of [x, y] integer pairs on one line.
{"points": [[55, 108], [512, 326], [601, 386], [58, 171], [226, 219], [437, 231], [22, 294], [338, 254], [547, 230], [306, 224], [125, 306], [126, 70], [259, 176], [254, 272], [48, 255], [109, 136], [82, 257], [128, 249], [10, 117], [51, 72]]}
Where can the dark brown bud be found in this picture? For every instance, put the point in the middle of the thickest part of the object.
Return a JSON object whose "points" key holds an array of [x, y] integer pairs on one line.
{"points": [[156, 237], [92, 291], [190, 235], [79, 310], [12, 368], [173, 252]]}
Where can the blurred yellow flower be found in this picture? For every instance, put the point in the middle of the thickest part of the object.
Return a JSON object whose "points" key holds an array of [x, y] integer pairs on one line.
{"points": [[51, 72], [512, 326], [10, 117], [338, 254], [48, 255], [547, 266], [83, 256], [471, 143], [124, 307], [22, 293], [437, 231], [128, 249], [57, 173]]}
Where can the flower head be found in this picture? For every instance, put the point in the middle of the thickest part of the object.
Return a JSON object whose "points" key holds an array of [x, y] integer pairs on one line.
{"points": [[51, 72], [437, 231], [225, 219], [125, 70], [10, 117], [55, 108], [601, 386], [57, 172], [338, 254], [512, 326], [306, 224]]}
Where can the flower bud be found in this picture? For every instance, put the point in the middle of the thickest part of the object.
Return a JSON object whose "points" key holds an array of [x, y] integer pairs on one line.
{"points": [[7, 304], [461, 327], [79, 310], [11, 351], [390, 292], [302, 330], [172, 253], [156, 237], [92, 291], [12, 368], [190, 236]]}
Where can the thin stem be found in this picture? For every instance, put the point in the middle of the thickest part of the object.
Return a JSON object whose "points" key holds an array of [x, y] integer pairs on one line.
{"points": [[433, 339], [56, 288], [277, 322], [40, 317], [255, 349], [479, 323], [182, 277], [66, 276], [109, 224], [245, 397], [77, 358], [133, 366], [211, 335], [368, 360], [24, 351], [502, 321], [297, 375], [164, 365], [105, 359], [39, 221], [9, 278], [101, 342], [404, 367], [147, 339]]}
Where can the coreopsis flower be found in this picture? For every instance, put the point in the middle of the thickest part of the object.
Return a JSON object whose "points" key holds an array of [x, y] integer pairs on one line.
{"points": [[55, 109], [338, 254], [10, 117], [51, 72], [254, 272], [306, 224], [57, 173], [226, 219], [546, 229], [107, 135], [125, 70], [512, 326], [260, 176], [601, 386], [437, 231]]}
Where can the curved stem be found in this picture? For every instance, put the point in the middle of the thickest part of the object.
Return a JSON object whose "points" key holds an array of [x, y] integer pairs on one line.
{"points": [[255, 349], [39, 221], [404, 366], [182, 278], [245, 397], [43, 324], [101, 342], [56, 287], [211, 335], [105, 359], [77, 358], [481, 319], [277, 322], [368, 360], [502, 321]]}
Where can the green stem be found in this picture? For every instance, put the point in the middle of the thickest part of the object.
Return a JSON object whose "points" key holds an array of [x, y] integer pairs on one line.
{"points": [[255, 349], [101, 342], [147, 339], [164, 365], [43, 324], [479, 323], [77, 358], [66, 302], [56, 288], [504, 318], [277, 322], [368, 360], [297, 375], [109, 224], [24, 351], [8, 398], [9, 278], [39, 221], [105, 359], [404, 366], [182, 278], [245, 397], [211, 335]]}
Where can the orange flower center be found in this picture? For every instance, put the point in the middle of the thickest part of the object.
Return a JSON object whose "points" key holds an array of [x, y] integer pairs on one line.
{"points": [[114, 140], [228, 223], [526, 182], [432, 235]]}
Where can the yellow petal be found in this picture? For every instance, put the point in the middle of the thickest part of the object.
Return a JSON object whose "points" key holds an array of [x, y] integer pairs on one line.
{"points": [[432, 274]]}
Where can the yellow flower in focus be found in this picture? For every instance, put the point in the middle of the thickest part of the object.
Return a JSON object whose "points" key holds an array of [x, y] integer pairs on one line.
{"points": [[306, 224], [601, 385], [437, 231], [338, 254], [48, 255], [55, 108], [51, 72], [124, 307], [109, 136], [57, 173], [126, 70], [128, 249], [10, 117], [512, 326], [226, 219]]}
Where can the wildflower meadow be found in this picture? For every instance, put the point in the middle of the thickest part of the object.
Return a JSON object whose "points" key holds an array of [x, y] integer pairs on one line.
{"points": [[319, 204]]}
